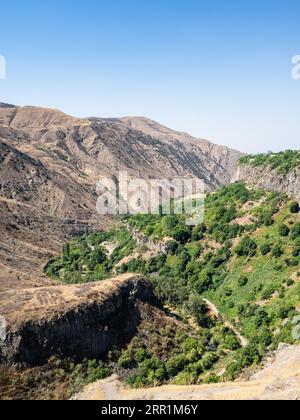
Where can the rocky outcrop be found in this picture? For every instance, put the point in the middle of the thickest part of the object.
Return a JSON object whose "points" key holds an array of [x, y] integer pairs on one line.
{"points": [[156, 246], [77, 321], [270, 179]]}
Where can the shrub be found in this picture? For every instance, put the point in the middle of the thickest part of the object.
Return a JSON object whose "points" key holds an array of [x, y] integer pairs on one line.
{"points": [[199, 310], [243, 281], [296, 251], [181, 234], [284, 230], [126, 361], [290, 282], [172, 247], [265, 249], [295, 232], [208, 360], [247, 247], [198, 232], [175, 365], [294, 207], [277, 251]]}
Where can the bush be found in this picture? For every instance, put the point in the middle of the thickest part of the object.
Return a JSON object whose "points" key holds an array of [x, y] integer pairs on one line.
{"points": [[126, 361], [181, 234], [198, 232], [295, 232], [208, 360], [175, 365], [247, 247], [199, 310], [294, 207], [172, 247], [265, 249], [243, 281], [290, 283], [277, 251], [284, 230]]}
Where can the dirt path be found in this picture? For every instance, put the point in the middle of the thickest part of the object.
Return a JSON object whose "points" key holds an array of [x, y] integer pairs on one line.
{"points": [[277, 381], [244, 342]]}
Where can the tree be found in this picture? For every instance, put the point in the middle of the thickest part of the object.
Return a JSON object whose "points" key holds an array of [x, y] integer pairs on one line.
{"points": [[294, 207], [172, 247], [277, 251], [168, 223], [265, 249], [66, 251], [295, 232], [97, 257], [198, 232], [247, 247], [284, 230], [209, 359], [199, 310], [181, 234], [243, 281]]}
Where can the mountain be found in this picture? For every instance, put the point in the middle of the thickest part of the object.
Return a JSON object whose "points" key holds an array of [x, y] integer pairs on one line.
{"points": [[50, 163], [105, 146]]}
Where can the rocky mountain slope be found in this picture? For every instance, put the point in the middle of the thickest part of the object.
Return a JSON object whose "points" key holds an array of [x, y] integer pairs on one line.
{"points": [[49, 165]]}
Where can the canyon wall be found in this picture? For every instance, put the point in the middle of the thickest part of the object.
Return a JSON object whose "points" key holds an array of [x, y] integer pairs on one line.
{"points": [[77, 321], [270, 179]]}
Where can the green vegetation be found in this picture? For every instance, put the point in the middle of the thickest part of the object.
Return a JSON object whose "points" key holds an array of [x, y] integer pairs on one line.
{"points": [[284, 162], [244, 258], [177, 356], [88, 258]]}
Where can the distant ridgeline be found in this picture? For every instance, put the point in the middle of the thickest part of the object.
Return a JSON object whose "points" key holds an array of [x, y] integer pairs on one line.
{"points": [[243, 260], [284, 162]]}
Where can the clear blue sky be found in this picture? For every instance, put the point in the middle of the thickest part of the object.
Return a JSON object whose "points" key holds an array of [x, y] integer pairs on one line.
{"points": [[219, 69]]}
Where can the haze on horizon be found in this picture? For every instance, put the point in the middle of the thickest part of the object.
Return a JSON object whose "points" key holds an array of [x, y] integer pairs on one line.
{"points": [[220, 71]]}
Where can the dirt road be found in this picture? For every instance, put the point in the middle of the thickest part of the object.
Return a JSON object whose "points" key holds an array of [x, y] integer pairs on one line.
{"points": [[214, 310]]}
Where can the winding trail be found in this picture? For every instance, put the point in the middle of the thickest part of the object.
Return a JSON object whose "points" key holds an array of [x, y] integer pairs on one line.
{"points": [[214, 310]]}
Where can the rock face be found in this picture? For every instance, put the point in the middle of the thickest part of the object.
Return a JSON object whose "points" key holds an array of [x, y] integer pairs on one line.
{"points": [[50, 163], [270, 180], [80, 321]]}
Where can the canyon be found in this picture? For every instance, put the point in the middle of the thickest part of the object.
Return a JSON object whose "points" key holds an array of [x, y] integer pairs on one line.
{"points": [[49, 166]]}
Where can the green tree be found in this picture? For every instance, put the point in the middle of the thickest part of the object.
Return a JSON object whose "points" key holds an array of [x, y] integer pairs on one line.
{"points": [[294, 207], [265, 249], [284, 230]]}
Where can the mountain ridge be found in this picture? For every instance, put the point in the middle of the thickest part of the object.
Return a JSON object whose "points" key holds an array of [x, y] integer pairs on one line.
{"points": [[52, 162]]}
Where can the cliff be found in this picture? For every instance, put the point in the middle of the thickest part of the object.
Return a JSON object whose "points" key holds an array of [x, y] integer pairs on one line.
{"points": [[270, 179], [78, 321]]}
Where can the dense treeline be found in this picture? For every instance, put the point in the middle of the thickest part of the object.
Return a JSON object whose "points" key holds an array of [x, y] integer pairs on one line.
{"points": [[284, 162]]}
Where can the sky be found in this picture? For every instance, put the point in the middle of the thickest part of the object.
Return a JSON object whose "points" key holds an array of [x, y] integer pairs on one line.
{"points": [[217, 69]]}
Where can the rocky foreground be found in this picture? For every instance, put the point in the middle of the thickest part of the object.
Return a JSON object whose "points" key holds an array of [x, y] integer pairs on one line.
{"points": [[279, 380]]}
